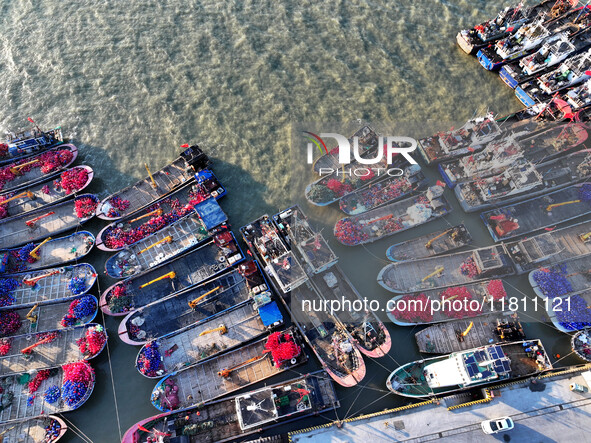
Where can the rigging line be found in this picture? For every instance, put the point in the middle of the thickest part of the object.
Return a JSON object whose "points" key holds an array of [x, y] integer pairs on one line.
{"points": [[111, 370], [561, 358], [355, 400], [76, 430], [367, 406]]}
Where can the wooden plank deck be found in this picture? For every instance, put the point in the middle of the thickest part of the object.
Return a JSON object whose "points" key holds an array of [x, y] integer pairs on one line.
{"points": [[53, 287], [569, 243], [60, 351], [201, 383], [441, 338], [242, 323], [416, 247]]}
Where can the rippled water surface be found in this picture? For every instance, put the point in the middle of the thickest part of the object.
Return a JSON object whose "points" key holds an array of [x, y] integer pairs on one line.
{"points": [[130, 82]]}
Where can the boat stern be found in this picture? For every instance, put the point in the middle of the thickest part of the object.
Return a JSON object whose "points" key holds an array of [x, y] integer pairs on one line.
{"points": [[463, 42], [509, 76], [486, 59], [524, 97]]}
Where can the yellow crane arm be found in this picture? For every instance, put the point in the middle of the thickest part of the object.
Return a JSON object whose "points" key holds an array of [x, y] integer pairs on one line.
{"points": [[170, 275], [154, 212], [439, 270], [194, 302], [226, 372], [26, 193], [222, 329], [17, 168], [167, 239], [32, 318], [150, 174], [33, 253], [430, 242], [585, 237], [555, 205], [468, 329]]}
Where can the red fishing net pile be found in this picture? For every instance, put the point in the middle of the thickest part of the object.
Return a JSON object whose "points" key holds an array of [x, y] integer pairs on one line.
{"points": [[282, 347]]}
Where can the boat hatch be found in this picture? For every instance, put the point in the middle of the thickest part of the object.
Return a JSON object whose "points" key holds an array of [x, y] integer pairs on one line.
{"points": [[211, 213]]}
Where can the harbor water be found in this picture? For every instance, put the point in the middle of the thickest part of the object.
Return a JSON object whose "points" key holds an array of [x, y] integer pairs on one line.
{"points": [[129, 82]]}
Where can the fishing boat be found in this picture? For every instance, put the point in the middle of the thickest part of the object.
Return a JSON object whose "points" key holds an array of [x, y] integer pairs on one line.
{"points": [[551, 247], [228, 372], [241, 415], [155, 186], [195, 305], [314, 252], [366, 330], [569, 73], [541, 61], [46, 429], [531, 36], [578, 97], [41, 396], [28, 171], [48, 253], [45, 193], [43, 317], [367, 141], [207, 339], [468, 369], [444, 305], [46, 286], [264, 240], [522, 180], [333, 186], [392, 218], [134, 227], [581, 344], [326, 336], [442, 271], [168, 243], [28, 142], [190, 269], [538, 213], [50, 349], [507, 22], [42, 223], [435, 243], [464, 334], [498, 155], [384, 191], [567, 277]]}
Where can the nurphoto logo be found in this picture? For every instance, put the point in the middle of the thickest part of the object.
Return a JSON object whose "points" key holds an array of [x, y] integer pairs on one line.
{"points": [[385, 149]]}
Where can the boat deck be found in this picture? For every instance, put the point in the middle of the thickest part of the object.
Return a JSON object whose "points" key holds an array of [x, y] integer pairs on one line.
{"points": [[35, 175], [173, 313], [48, 317], [294, 225], [532, 215], [20, 407], [53, 287], [550, 248], [368, 141], [60, 218], [187, 347], [30, 431], [41, 199], [156, 248], [143, 193], [365, 327], [60, 351], [442, 338], [201, 382], [427, 273], [442, 241], [565, 311], [189, 270], [54, 253]]}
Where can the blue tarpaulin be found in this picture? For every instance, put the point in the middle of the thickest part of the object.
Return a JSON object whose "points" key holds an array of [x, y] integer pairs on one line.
{"points": [[211, 214], [203, 175], [270, 314]]}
